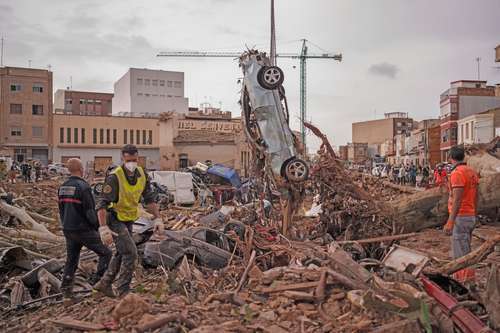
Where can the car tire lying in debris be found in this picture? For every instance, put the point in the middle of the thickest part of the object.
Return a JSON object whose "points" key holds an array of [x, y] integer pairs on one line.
{"points": [[270, 77]]}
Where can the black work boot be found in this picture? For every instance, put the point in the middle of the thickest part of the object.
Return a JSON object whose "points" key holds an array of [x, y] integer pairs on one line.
{"points": [[105, 287]]}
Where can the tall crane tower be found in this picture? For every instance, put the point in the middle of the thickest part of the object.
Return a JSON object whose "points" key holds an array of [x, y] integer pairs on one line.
{"points": [[302, 56]]}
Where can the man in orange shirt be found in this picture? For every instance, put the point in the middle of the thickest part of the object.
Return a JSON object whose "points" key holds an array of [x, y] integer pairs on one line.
{"points": [[462, 203]]}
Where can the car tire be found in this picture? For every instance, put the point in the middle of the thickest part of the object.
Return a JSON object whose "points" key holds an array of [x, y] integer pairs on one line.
{"points": [[270, 77], [296, 170]]}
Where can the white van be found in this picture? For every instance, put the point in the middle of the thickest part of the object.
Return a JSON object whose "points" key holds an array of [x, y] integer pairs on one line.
{"points": [[180, 184]]}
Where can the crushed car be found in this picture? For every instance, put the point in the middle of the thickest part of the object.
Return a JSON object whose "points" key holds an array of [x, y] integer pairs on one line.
{"points": [[206, 246], [266, 118]]}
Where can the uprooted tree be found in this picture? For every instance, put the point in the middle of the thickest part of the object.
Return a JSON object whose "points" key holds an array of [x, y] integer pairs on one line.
{"points": [[350, 212]]}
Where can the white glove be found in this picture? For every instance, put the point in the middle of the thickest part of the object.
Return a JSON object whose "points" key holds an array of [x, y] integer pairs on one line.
{"points": [[106, 235], [158, 226]]}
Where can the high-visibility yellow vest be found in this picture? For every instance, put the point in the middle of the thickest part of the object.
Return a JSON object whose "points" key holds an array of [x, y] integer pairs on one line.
{"points": [[127, 207]]}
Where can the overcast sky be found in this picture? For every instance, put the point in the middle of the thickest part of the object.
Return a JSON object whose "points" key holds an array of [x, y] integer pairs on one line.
{"points": [[398, 55]]}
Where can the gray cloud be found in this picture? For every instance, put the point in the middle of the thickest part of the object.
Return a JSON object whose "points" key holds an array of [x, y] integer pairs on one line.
{"points": [[384, 69]]}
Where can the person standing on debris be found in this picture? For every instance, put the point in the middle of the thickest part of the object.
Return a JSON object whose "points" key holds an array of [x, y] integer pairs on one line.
{"points": [[26, 172], [38, 171], [118, 208], [13, 173], [79, 224], [402, 175], [462, 204]]}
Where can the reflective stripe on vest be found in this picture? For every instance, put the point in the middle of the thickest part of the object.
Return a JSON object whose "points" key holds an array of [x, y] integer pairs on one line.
{"points": [[127, 207]]}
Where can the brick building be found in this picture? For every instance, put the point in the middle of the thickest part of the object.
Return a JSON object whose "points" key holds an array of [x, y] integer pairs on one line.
{"points": [[462, 99], [26, 112], [83, 102], [376, 132], [357, 152]]}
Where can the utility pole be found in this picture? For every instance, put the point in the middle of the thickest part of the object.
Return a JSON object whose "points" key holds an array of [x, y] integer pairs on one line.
{"points": [[478, 59], [1, 53]]}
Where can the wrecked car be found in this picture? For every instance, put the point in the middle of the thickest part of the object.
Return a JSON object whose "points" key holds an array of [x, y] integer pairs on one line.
{"points": [[266, 118], [206, 246]]}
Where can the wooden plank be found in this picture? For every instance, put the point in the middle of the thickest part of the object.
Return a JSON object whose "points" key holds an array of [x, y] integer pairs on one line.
{"points": [[293, 286], [379, 239], [78, 324]]}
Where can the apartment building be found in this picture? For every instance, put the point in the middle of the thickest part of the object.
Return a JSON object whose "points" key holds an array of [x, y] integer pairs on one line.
{"points": [[497, 53], [26, 113], [464, 98], [97, 140], [150, 92], [376, 132], [83, 102], [357, 152]]}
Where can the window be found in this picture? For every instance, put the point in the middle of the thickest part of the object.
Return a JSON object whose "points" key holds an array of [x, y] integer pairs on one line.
{"points": [[146, 82], [75, 135], [16, 87], [98, 101], [61, 135], [144, 137], [83, 135], [82, 101], [108, 136], [177, 84], [94, 136], [466, 130], [155, 83], [453, 133], [139, 94], [101, 136], [114, 136], [183, 161], [132, 137], [16, 131], [462, 132], [155, 95], [139, 82], [150, 138], [37, 88], [472, 130], [68, 135], [138, 137], [37, 110], [125, 136], [162, 83], [16, 109], [169, 84], [162, 95], [37, 131], [147, 95]]}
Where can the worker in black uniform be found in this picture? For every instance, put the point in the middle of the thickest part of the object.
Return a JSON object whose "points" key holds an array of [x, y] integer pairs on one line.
{"points": [[117, 209], [80, 225]]}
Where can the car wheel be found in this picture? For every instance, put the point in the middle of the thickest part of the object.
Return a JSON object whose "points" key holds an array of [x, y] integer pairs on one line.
{"points": [[270, 77], [98, 188], [297, 170]]}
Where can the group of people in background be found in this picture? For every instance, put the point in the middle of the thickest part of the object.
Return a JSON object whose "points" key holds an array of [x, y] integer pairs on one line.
{"points": [[30, 171], [409, 174]]}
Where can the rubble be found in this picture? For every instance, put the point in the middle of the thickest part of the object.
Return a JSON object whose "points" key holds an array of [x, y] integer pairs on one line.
{"points": [[349, 269]]}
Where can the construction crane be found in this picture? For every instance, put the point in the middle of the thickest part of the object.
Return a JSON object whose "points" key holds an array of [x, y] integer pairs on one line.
{"points": [[302, 56]]}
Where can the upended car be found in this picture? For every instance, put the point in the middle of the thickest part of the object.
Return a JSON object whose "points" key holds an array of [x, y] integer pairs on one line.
{"points": [[266, 118], [208, 247]]}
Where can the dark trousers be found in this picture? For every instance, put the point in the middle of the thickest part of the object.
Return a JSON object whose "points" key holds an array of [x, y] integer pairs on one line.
{"points": [[74, 242], [125, 258]]}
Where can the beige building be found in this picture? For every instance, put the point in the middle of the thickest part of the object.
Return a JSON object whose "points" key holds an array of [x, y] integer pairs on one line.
{"points": [[150, 92], [170, 142], [97, 140], [376, 132], [26, 112], [479, 128], [357, 152]]}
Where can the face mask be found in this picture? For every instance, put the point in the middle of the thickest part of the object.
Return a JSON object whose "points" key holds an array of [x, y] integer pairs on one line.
{"points": [[131, 166]]}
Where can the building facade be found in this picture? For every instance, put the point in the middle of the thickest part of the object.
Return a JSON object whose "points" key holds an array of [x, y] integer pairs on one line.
{"points": [[462, 99], [26, 113], [343, 153], [380, 130], [357, 152], [171, 141], [150, 92], [97, 140], [83, 102], [479, 128]]}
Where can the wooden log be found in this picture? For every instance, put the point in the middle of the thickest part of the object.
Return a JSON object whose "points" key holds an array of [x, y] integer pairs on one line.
{"points": [[345, 281], [471, 258], [342, 262], [23, 233], [245, 273], [41, 217], [24, 217], [299, 296], [36, 254]]}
